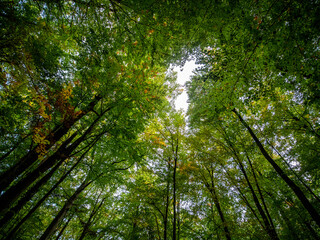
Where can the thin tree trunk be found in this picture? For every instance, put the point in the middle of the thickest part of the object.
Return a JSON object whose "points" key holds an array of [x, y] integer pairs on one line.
{"points": [[294, 172], [64, 228], [244, 198], [62, 213], [165, 220], [269, 228], [260, 192], [14, 147], [218, 206], [174, 233], [178, 219], [90, 220], [295, 188], [32, 156]]}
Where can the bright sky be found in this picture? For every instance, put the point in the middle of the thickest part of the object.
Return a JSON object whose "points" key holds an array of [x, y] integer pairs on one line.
{"points": [[183, 76]]}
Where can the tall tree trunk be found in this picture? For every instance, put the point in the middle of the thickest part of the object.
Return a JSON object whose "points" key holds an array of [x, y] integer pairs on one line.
{"points": [[28, 195], [178, 219], [244, 198], [260, 193], [64, 228], [62, 213], [32, 156], [174, 233], [216, 201], [90, 219], [157, 224], [295, 188], [268, 226], [16, 228], [165, 220], [13, 193]]}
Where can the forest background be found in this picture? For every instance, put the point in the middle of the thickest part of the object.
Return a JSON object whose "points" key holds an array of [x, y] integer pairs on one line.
{"points": [[92, 147]]}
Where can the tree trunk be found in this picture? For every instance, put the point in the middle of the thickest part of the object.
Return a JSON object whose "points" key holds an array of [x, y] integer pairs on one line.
{"points": [[13, 231], [270, 230], [13, 193], [174, 233], [28, 195], [218, 206], [63, 228], [90, 219], [298, 192], [55, 222], [260, 193], [32, 156], [165, 220]]}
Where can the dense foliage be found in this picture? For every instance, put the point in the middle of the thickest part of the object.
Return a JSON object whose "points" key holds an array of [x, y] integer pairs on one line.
{"points": [[91, 146]]}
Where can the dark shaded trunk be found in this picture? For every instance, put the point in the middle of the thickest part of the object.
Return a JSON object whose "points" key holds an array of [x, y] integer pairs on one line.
{"points": [[267, 225], [260, 193], [90, 219], [178, 219], [14, 147], [242, 195], [157, 224], [62, 213], [298, 192], [64, 228], [28, 195], [174, 232], [218, 206], [165, 220], [295, 174], [210, 185], [269, 228], [13, 193], [62, 154], [16, 228], [32, 156]]}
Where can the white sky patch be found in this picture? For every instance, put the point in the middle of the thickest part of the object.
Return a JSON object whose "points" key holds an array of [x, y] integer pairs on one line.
{"points": [[182, 77]]}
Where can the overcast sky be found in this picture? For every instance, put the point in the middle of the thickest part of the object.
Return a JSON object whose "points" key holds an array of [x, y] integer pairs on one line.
{"points": [[183, 76]]}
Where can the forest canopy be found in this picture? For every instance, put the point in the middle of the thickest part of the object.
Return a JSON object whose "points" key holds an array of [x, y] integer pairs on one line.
{"points": [[91, 146]]}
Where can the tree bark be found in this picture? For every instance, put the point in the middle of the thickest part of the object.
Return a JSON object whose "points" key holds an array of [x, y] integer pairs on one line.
{"points": [[32, 156], [165, 220], [260, 193], [90, 219], [16, 228], [13, 193], [28, 195], [218, 206], [64, 228], [174, 233], [268, 226], [62, 213], [295, 188]]}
